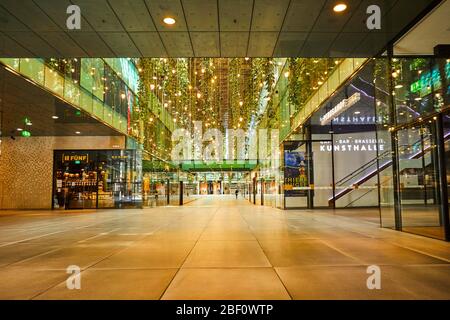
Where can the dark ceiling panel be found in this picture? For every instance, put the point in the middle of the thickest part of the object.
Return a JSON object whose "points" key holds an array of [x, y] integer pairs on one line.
{"points": [[290, 43], [346, 43], [206, 44], [177, 44], [100, 15], [235, 15], [120, 42], [160, 9], [201, 15], [329, 21], [9, 23], [10, 48], [262, 44], [66, 46], [302, 14], [133, 15], [268, 15], [317, 45], [372, 42], [31, 40], [149, 44], [93, 44], [233, 44], [27, 12]]}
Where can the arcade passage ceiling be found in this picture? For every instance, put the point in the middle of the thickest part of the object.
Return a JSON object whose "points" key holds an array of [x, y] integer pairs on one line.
{"points": [[202, 28]]}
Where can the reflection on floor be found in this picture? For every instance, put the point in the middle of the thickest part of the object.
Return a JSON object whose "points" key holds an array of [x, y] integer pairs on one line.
{"points": [[215, 248]]}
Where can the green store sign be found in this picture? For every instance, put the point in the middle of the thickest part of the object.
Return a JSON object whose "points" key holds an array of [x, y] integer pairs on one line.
{"points": [[429, 81]]}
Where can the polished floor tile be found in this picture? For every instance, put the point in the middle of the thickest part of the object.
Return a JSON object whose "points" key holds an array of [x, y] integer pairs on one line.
{"points": [[227, 284], [287, 253], [25, 283], [338, 282], [373, 251], [149, 254], [115, 285], [229, 254]]}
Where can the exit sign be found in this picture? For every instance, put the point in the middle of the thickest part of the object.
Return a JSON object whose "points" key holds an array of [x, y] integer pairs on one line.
{"points": [[25, 133]]}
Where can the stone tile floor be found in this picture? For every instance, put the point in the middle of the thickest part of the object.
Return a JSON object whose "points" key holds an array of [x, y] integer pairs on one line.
{"points": [[214, 248]]}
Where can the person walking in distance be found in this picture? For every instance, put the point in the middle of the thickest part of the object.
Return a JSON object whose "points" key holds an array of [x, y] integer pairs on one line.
{"points": [[236, 193]]}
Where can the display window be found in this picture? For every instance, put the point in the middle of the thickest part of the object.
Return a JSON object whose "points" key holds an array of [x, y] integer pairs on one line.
{"points": [[87, 179]]}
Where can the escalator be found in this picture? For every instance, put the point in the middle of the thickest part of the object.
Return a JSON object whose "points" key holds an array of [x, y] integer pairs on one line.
{"points": [[358, 177]]}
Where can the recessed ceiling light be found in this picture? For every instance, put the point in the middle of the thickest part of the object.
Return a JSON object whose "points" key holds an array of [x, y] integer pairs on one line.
{"points": [[340, 7], [169, 20], [19, 129], [77, 132], [357, 112], [55, 117]]}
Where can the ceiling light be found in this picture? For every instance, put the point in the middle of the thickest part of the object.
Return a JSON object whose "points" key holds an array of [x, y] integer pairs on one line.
{"points": [[77, 132], [340, 7], [19, 129], [357, 112], [55, 117], [169, 20], [398, 86]]}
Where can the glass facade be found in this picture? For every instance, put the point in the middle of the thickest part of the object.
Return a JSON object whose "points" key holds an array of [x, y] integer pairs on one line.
{"points": [[412, 101]]}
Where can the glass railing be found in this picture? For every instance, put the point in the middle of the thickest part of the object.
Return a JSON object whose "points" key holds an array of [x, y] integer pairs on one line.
{"points": [[355, 179], [66, 89]]}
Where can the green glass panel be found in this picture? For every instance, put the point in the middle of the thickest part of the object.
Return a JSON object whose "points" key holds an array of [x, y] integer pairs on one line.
{"points": [[11, 62], [71, 92], [98, 109], [86, 76], [33, 68], [86, 101], [54, 81], [108, 115]]}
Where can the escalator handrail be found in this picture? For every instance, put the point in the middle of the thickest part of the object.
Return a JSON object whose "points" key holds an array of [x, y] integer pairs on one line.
{"points": [[370, 163]]}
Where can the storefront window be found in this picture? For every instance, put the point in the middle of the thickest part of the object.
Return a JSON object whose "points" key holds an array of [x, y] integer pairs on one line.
{"points": [[418, 87], [97, 179]]}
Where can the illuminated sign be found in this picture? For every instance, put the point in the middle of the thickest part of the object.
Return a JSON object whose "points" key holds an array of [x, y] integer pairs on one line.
{"points": [[25, 133], [339, 108], [76, 158], [353, 145], [357, 120], [123, 157]]}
